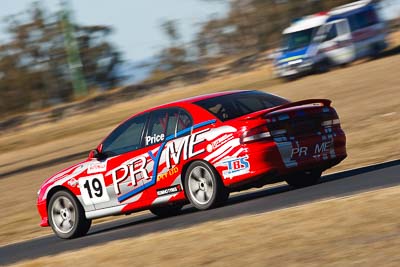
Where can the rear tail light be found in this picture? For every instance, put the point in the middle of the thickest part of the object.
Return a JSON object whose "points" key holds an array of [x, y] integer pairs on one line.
{"points": [[329, 117], [330, 122], [255, 134]]}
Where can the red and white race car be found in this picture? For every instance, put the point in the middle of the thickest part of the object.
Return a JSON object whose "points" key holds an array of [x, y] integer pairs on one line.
{"points": [[196, 150]]}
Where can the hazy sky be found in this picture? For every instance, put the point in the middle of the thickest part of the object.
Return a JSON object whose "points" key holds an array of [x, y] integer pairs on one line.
{"points": [[136, 22]]}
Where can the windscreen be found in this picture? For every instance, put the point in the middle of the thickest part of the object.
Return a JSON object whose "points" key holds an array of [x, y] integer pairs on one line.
{"points": [[300, 39], [235, 105]]}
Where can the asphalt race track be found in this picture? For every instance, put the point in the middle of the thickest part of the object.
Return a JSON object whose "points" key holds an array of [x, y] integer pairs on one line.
{"points": [[264, 200]]}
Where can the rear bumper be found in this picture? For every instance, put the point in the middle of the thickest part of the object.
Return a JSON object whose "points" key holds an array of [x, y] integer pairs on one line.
{"points": [[271, 161]]}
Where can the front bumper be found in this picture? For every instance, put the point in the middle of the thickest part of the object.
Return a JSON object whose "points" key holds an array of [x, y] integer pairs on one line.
{"points": [[288, 70], [42, 209]]}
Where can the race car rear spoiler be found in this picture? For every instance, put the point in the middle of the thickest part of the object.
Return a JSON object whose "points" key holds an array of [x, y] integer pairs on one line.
{"points": [[307, 102]]}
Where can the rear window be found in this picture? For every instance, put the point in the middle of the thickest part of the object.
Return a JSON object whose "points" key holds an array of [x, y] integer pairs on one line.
{"points": [[235, 105]]}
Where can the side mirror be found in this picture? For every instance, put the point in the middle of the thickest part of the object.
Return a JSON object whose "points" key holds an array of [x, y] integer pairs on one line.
{"points": [[93, 154]]}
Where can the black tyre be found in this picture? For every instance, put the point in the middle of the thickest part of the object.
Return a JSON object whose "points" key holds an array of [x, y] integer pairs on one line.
{"points": [[322, 67], [304, 179], [375, 51], [66, 216], [203, 186], [166, 211], [223, 195]]}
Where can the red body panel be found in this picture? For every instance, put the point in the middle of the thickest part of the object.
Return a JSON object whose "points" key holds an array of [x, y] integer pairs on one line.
{"points": [[153, 175]]}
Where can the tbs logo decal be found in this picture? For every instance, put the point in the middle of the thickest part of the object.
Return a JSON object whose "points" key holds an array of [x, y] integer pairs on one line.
{"points": [[236, 166]]}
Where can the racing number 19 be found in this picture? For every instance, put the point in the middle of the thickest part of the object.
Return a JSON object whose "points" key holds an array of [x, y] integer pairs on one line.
{"points": [[93, 189], [96, 186]]}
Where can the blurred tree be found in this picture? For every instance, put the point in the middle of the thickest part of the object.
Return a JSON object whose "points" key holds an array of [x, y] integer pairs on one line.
{"points": [[34, 70], [254, 25], [171, 30], [173, 58]]}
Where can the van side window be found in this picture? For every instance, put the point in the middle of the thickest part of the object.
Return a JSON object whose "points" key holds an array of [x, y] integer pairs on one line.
{"points": [[353, 23], [371, 18], [332, 34], [363, 19], [367, 18]]}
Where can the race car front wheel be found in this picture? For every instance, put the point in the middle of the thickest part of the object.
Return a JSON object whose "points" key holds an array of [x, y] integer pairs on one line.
{"points": [[66, 216], [203, 186]]}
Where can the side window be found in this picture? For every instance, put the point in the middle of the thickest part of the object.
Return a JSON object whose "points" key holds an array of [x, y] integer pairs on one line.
{"points": [[249, 104], [173, 116], [363, 19], [126, 137], [184, 121], [371, 17], [367, 18], [164, 123], [332, 34], [342, 27], [353, 23]]}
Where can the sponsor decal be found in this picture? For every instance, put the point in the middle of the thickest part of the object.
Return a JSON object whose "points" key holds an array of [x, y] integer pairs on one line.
{"points": [[299, 151], [323, 149], [236, 166], [167, 174], [93, 189], [184, 148], [73, 182], [156, 138], [219, 142], [135, 171], [319, 149], [95, 167], [169, 190]]}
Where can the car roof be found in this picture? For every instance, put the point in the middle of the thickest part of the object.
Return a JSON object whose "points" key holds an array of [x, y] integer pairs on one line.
{"points": [[194, 99], [184, 101], [307, 22], [349, 7], [181, 102], [190, 100]]}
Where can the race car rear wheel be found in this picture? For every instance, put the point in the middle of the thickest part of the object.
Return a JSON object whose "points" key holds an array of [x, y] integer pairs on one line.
{"points": [[304, 179], [203, 186], [166, 211], [66, 216]]}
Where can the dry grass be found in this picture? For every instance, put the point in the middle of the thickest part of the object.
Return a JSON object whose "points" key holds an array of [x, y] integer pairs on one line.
{"points": [[365, 95], [362, 230]]}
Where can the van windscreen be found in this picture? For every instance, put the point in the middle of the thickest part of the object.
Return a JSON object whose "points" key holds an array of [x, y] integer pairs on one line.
{"points": [[299, 39]]}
